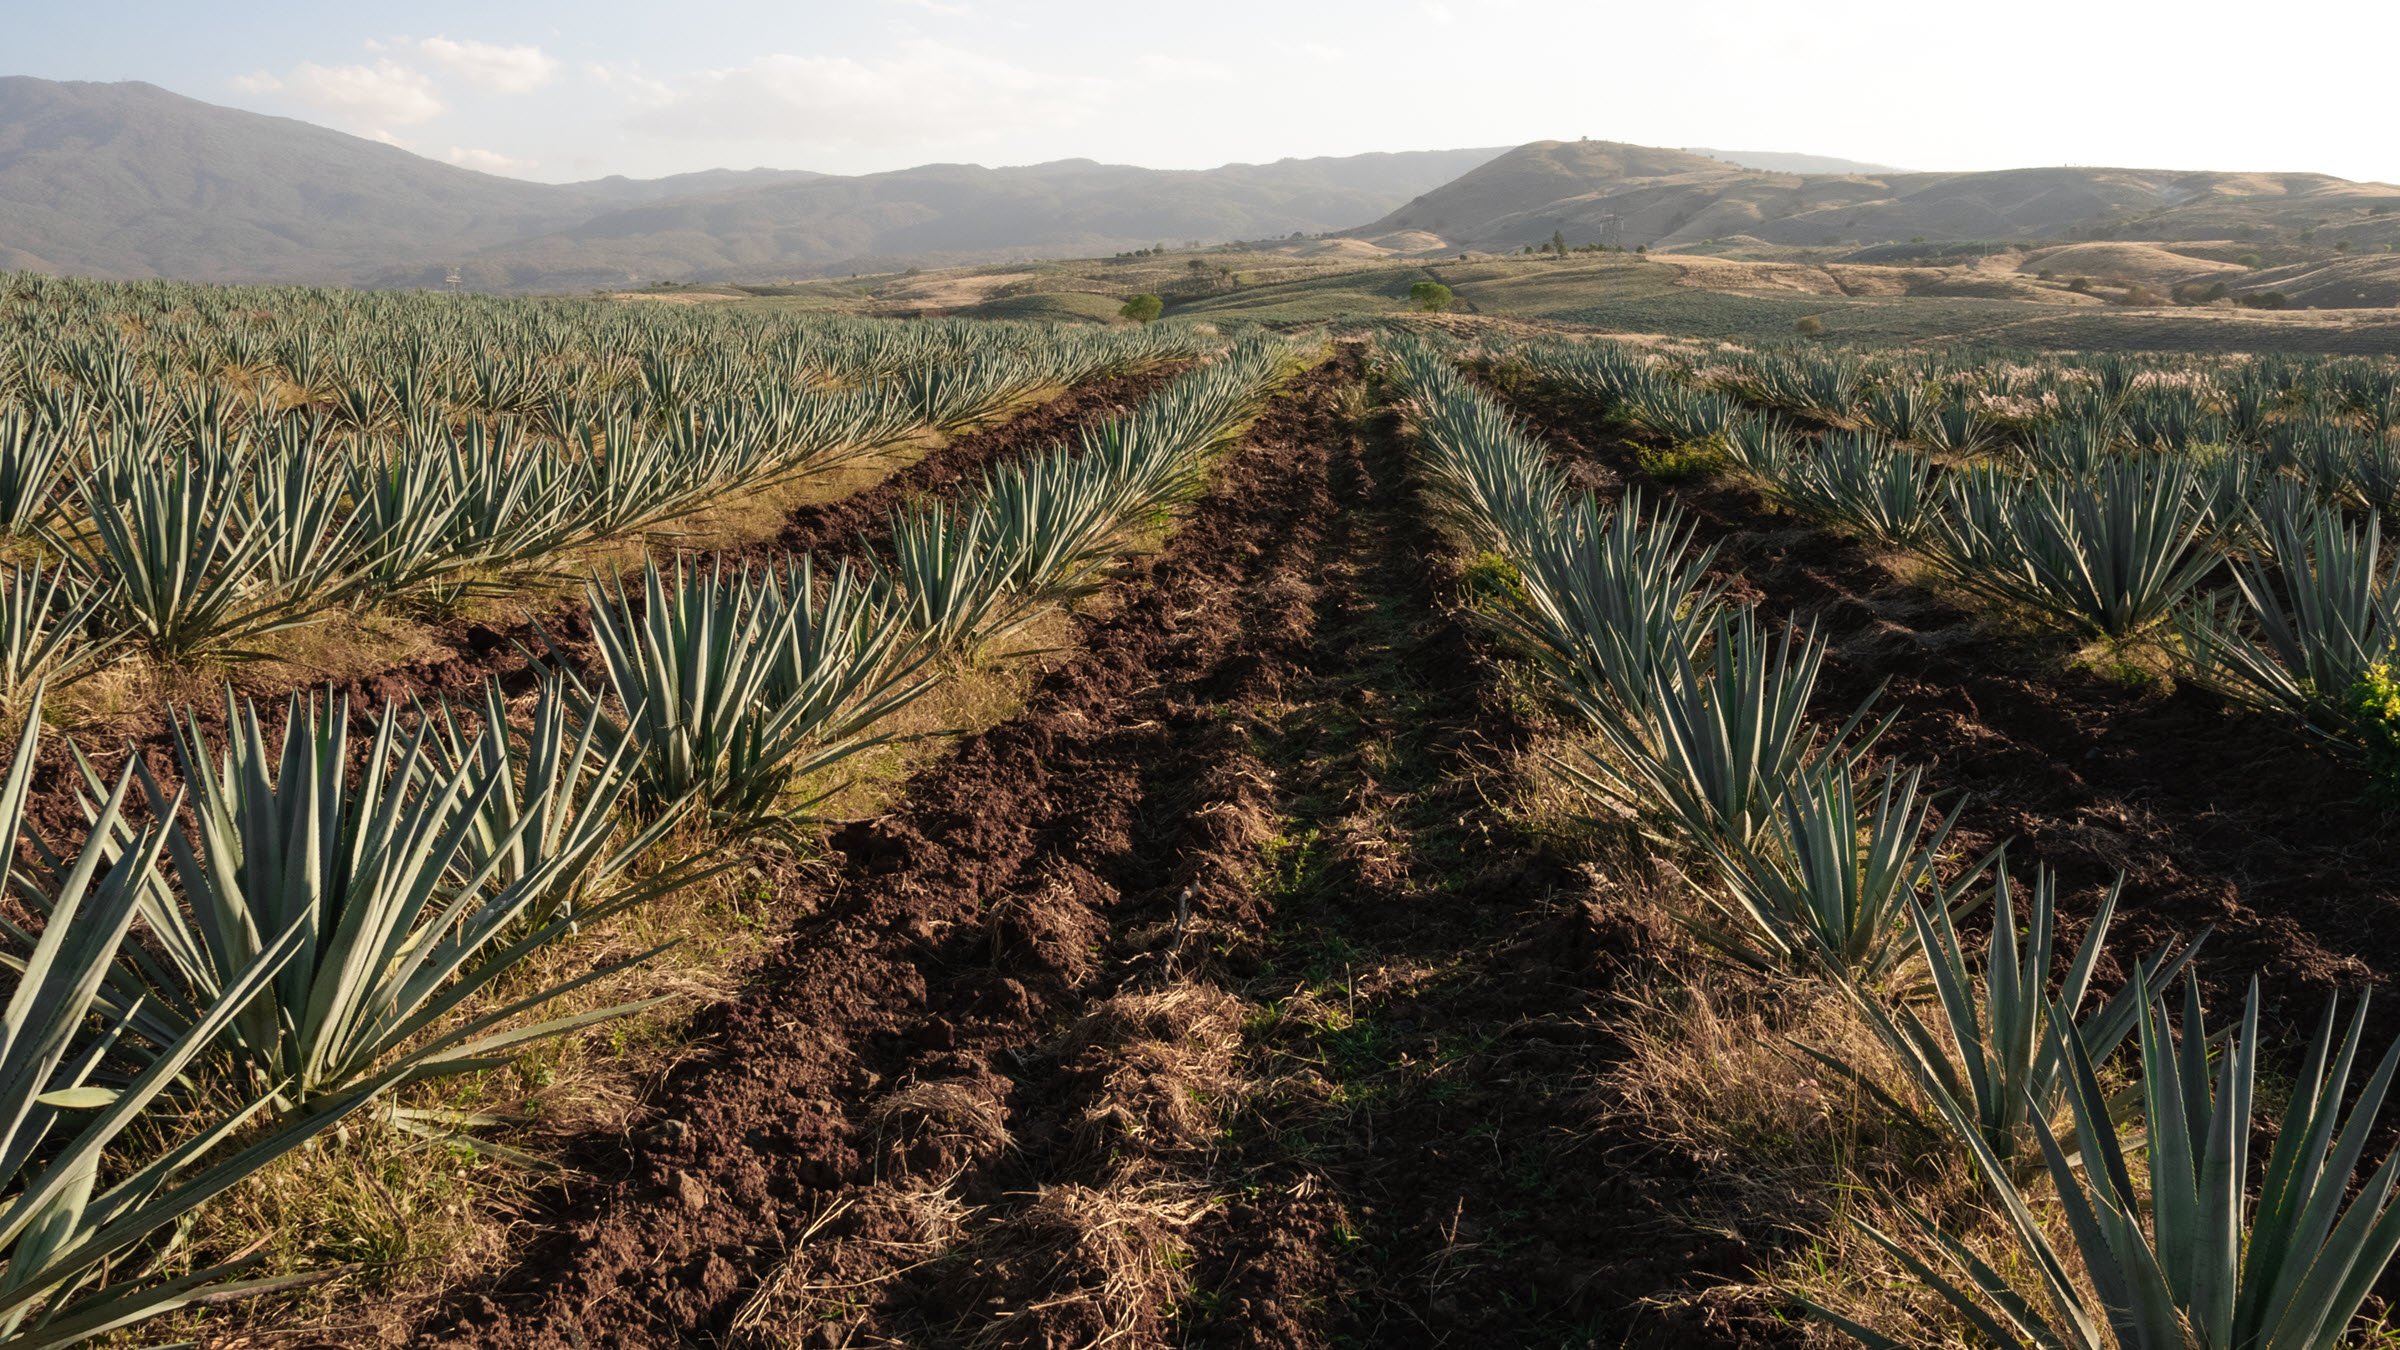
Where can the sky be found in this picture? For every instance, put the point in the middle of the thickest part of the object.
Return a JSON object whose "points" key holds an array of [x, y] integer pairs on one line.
{"points": [[557, 92]]}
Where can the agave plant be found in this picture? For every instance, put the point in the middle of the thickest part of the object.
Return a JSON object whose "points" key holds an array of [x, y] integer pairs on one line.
{"points": [[297, 507], [1762, 445], [401, 514], [176, 561], [33, 462], [1726, 741], [1959, 428], [92, 1162], [1050, 523], [2110, 555], [1899, 411], [1608, 602], [410, 888], [2074, 447], [847, 660], [1829, 882], [1485, 475], [1987, 1054], [43, 617], [2196, 1258], [1862, 485], [723, 700], [2298, 636], [950, 580]]}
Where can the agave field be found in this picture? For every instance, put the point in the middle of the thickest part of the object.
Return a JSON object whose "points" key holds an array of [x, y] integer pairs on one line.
{"points": [[1237, 838]]}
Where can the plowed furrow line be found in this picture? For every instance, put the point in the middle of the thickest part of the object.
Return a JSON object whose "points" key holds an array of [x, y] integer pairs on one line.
{"points": [[876, 1078]]}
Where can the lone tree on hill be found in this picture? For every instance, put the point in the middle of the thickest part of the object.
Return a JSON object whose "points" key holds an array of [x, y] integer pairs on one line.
{"points": [[1143, 308], [1430, 295]]}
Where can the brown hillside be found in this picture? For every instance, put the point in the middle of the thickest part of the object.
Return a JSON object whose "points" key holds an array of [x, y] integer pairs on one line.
{"points": [[1593, 191]]}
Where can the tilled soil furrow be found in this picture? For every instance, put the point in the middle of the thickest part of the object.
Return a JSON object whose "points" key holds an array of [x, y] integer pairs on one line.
{"points": [[1437, 978], [2218, 817], [840, 1120]]}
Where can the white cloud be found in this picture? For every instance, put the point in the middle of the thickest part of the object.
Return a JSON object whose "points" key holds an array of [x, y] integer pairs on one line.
{"points": [[488, 161], [372, 98], [929, 94], [630, 82], [947, 9], [503, 70]]}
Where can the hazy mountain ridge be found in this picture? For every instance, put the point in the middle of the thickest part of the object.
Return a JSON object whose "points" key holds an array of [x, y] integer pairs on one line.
{"points": [[130, 180], [949, 213]]}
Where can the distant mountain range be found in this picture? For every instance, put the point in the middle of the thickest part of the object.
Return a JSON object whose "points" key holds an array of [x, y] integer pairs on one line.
{"points": [[130, 180], [1603, 191]]}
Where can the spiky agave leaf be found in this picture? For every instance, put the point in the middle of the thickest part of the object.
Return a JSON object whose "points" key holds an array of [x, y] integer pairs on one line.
{"points": [[952, 580], [1725, 739], [89, 1168], [1608, 601], [1986, 1051], [408, 880], [44, 621], [2194, 1258], [1829, 881], [2109, 555], [1861, 484], [2298, 635], [177, 559]]}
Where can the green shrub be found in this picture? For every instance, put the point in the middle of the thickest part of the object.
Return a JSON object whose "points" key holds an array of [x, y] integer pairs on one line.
{"points": [[1143, 308], [1430, 295], [2375, 708], [1808, 325]]}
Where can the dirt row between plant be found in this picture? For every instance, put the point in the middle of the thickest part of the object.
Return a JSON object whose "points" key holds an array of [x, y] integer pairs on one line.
{"points": [[1435, 1000], [2218, 817], [467, 653], [1031, 873]]}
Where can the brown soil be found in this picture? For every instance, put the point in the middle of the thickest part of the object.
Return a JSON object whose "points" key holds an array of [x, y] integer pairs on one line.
{"points": [[1050, 1056], [2219, 817], [863, 519]]}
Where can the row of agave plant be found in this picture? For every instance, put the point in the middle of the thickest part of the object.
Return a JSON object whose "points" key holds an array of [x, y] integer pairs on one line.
{"points": [[147, 352], [1811, 861], [293, 924], [2088, 530], [185, 497]]}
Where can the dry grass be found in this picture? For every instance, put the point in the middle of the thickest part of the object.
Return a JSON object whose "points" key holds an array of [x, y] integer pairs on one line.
{"points": [[1169, 1062], [1107, 1266], [888, 1231]]}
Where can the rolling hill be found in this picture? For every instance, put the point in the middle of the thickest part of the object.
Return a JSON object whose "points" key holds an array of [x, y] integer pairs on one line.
{"points": [[1670, 198]]}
